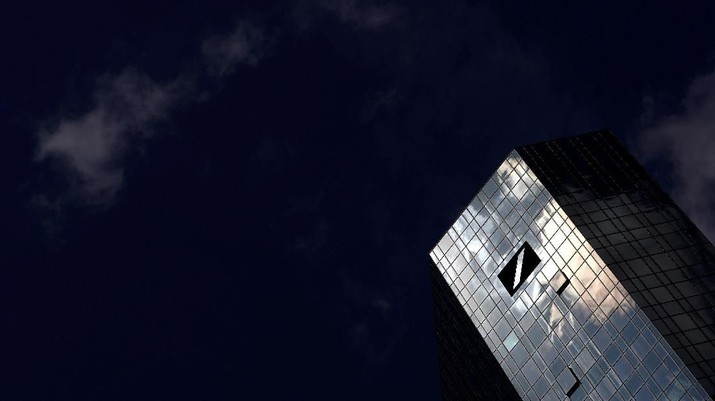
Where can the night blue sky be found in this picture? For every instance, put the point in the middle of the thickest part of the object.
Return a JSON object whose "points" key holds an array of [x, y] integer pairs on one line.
{"points": [[236, 200]]}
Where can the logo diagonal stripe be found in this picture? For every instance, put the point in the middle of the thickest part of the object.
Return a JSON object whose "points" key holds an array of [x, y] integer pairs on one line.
{"points": [[517, 275]]}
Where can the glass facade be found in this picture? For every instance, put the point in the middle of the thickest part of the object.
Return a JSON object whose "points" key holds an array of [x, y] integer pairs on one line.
{"points": [[560, 323], [656, 252], [463, 354]]}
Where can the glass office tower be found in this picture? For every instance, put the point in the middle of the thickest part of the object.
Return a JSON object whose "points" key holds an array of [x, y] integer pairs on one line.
{"points": [[571, 275]]}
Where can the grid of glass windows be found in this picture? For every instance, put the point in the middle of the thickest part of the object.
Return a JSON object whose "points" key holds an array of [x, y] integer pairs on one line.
{"points": [[570, 327], [657, 253]]}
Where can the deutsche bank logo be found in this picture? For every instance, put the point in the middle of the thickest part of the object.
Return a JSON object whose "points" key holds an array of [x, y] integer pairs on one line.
{"points": [[518, 268]]}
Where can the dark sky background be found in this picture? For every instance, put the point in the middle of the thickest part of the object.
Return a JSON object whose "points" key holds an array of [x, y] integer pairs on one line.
{"points": [[236, 200]]}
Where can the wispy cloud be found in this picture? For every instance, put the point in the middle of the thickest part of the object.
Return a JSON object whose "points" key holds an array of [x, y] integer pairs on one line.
{"points": [[377, 327], [686, 142], [244, 45], [91, 147], [362, 15]]}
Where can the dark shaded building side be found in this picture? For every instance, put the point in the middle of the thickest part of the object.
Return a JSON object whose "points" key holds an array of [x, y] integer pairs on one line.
{"points": [[658, 254], [468, 370]]}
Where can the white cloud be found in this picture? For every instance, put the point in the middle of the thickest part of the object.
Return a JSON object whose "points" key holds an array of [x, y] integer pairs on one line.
{"points": [[357, 14], [125, 109], [686, 142], [91, 146], [241, 46], [363, 15]]}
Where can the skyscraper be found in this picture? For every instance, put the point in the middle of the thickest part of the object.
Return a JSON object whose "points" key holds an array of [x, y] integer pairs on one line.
{"points": [[571, 274]]}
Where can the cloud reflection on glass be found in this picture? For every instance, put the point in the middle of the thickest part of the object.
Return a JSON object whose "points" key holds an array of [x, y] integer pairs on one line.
{"points": [[591, 339]]}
